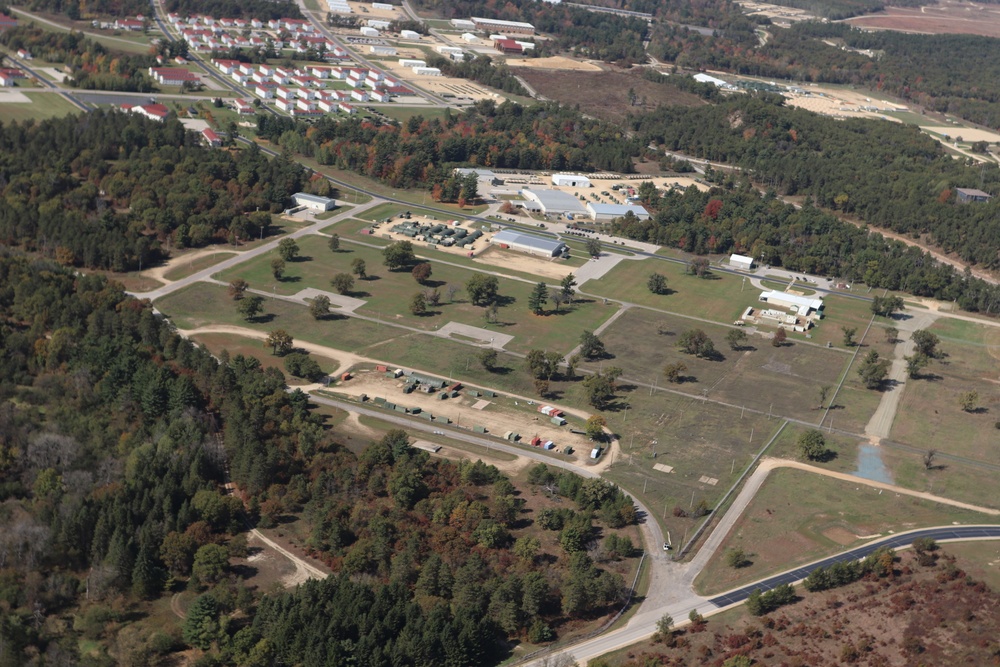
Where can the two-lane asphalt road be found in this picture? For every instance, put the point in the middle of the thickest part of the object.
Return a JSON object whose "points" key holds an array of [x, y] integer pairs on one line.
{"points": [[895, 541]]}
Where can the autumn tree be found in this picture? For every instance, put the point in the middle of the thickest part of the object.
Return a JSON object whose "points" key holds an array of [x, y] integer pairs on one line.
{"points": [[779, 337], [418, 304], [674, 372], [422, 272], [700, 267], [280, 342], [969, 400], [277, 268], [595, 427], [237, 288]]}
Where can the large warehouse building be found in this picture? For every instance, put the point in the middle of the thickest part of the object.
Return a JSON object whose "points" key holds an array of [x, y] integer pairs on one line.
{"points": [[554, 202], [571, 180], [803, 305], [608, 212], [496, 25], [314, 202], [533, 245]]}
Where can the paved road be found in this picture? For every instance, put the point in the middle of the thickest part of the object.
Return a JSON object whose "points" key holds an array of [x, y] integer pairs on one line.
{"points": [[941, 534]]}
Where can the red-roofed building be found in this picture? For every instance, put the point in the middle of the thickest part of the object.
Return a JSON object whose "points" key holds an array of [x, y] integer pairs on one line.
{"points": [[10, 76], [172, 76], [129, 24], [7, 22], [210, 137], [243, 108], [153, 111], [507, 46]]}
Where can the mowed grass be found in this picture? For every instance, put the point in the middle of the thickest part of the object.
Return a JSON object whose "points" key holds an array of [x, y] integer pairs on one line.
{"points": [[717, 298], [202, 305], [929, 414], [798, 517], [980, 559], [784, 381], [42, 106], [185, 269], [388, 295]]}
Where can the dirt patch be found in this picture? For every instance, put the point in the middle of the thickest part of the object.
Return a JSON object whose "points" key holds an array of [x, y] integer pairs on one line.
{"points": [[498, 418], [965, 18], [554, 62], [515, 261], [839, 535], [612, 103]]}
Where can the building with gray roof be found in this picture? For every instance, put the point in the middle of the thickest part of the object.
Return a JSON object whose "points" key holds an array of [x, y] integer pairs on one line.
{"points": [[528, 243]]}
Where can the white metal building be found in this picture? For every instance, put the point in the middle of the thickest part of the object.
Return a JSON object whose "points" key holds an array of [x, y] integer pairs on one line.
{"points": [[482, 175], [384, 6], [518, 27], [412, 62], [368, 32], [427, 71], [463, 24], [527, 243], [741, 262], [314, 202], [382, 50], [803, 305], [571, 180], [378, 24], [409, 34], [608, 212], [554, 202]]}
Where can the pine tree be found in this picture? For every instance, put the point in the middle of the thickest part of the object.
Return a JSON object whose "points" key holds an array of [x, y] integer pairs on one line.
{"points": [[539, 297]]}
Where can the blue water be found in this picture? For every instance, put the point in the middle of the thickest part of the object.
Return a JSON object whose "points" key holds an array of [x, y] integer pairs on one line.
{"points": [[870, 465]]}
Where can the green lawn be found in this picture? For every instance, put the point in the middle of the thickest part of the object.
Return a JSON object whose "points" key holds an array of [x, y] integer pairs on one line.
{"points": [[251, 347], [42, 106], [717, 298], [797, 517], [204, 304], [185, 269], [388, 295]]}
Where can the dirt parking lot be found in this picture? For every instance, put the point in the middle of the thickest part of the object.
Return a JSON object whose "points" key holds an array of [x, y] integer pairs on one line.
{"points": [[498, 417]]}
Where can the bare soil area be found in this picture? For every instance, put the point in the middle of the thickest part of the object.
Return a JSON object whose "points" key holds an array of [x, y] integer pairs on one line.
{"points": [[554, 62], [517, 261], [605, 94], [966, 18]]}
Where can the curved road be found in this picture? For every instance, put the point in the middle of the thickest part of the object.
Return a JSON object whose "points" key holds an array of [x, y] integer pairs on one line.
{"points": [[940, 534]]}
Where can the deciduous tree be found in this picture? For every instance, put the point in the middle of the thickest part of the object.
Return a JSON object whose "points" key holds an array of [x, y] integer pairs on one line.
{"points": [[280, 342], [657, 283], [319, 307], [674, 372], [288, 249], [398, 255], [422, 272], [334, 243], [277, 268], [812, 445], [592, 347], [250, 306], [343, 283], [418, 304], [237, 288], [359, 268], [482, 289], [696, 342], [737, 339]]}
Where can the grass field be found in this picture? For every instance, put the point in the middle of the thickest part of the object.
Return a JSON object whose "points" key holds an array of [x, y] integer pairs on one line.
{"points": [[403, 114], [204, 305], [980, 559], [784, 381], [42, 106], [798, 517], [929, 410], [388, 295], [185, 269]]}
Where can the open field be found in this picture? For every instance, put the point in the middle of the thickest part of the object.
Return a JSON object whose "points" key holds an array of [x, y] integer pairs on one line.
{"points": [[949, 16], [798, 517], [388, 295], [403, 114], [39, 106], [572, 87], [783, 380], [182, 269], [929, 412], [203, 304]]}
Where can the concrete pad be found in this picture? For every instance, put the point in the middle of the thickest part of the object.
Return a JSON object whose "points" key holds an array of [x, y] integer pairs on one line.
{"points": [[8, 96], [53, 73], [711, 481], [485, 336], [480, 405], [347, 303], [663, 468], [194, 124]]}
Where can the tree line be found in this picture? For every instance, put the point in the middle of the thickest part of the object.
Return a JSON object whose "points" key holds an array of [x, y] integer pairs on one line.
{"points": [[245, 9], [112, 190]]}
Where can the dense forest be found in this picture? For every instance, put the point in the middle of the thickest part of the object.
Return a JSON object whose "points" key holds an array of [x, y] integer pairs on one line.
{"points": [[92, 66], [540, 136], [836, 10], [886, 174], [247, 9], [114, 433], [88, 9], [112, 190]]}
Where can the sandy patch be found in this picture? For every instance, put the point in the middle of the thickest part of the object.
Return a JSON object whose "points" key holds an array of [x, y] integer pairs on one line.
{"points": [[839, 535], [515, 261], [53, 73], [967, 133], [553, 62], [194, 124], [364, 10], [8, 96], [158, 272]]}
